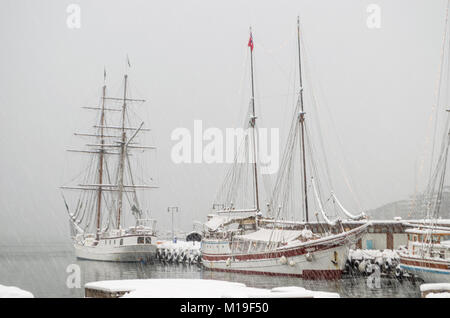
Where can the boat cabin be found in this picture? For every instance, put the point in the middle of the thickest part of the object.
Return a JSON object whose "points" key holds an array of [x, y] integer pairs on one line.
{"points": [[429, 242]]}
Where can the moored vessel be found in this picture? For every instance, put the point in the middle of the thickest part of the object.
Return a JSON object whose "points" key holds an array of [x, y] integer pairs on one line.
{"points": [[242, 240], [108, 219], [427, 254]]}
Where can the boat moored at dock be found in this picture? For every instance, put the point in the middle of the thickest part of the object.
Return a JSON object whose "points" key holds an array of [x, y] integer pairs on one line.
{"points": [[427, 255], [109, 193]]}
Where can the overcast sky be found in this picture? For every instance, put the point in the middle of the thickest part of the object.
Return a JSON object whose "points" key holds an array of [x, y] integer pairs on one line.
{"points": [[190, 60]]}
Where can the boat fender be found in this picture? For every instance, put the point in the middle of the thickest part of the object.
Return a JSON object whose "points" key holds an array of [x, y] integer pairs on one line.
{"points": [[291, 263], [309, 257], [283, 260], [398, 271], [228, 263], [362, 266]]}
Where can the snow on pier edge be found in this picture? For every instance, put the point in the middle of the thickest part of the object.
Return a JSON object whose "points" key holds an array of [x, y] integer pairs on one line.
{"points": [[199, 288], [14, 292]]}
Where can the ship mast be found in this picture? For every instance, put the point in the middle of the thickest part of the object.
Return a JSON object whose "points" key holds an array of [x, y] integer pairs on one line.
{"points": [[252, 124], [100, 171], [302, 123], [122, 153]]}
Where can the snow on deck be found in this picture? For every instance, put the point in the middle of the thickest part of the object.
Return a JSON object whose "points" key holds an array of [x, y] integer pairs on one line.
{"points": [[199, 288], [14, 292], [275, 235]]}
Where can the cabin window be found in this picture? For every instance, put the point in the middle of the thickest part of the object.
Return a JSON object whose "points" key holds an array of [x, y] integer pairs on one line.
{"points": [[148, 240], [140, 240], [415, 238], [121, 241]]}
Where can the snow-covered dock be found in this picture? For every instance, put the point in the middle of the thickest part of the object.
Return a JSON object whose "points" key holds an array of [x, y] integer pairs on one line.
{"points": [[178, 252], [193, 288], [14, 292]]}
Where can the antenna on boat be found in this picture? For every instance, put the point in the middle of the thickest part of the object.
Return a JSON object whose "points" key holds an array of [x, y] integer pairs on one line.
{"points": [[253, 122], [302, 121]]}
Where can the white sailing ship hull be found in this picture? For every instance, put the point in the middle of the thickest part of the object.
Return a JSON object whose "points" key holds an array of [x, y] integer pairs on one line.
{"points": [[428, 269], [113, 251], [324, 259]]}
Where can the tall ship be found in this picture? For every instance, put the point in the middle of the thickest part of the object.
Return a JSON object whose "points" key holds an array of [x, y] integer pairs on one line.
{"points": [[107, 210], [427, 254], [243, 240]]}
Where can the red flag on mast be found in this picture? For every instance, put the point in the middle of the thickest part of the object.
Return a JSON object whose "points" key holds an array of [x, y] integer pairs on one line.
{"points": [[250, 42]]}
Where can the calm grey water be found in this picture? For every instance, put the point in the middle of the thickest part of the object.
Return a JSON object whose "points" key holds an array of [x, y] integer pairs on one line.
{"points": [[42, 270]]}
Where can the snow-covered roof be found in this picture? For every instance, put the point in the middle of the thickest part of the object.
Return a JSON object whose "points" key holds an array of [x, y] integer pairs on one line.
{"points": [[274, 235], [199, 288], [217, 220]]}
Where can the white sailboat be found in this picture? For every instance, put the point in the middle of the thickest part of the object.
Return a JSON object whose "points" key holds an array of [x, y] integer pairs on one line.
{"points": [[427, 254], [238, 203], [108, 194], [258, 245]]}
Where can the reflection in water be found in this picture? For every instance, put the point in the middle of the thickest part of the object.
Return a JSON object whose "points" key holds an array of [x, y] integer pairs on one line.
{"points": [[42, 271]]}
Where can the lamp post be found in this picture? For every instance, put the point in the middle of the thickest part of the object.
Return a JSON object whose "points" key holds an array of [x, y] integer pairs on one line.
{"points": [[173, 209]]}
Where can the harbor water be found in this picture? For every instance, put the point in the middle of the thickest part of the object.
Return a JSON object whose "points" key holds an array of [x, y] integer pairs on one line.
{"points": [[52, 270]]}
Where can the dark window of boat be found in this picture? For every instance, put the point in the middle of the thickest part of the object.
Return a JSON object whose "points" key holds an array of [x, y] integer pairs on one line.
{"points": [[148, 240], [121, 241], [140, 240]]}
